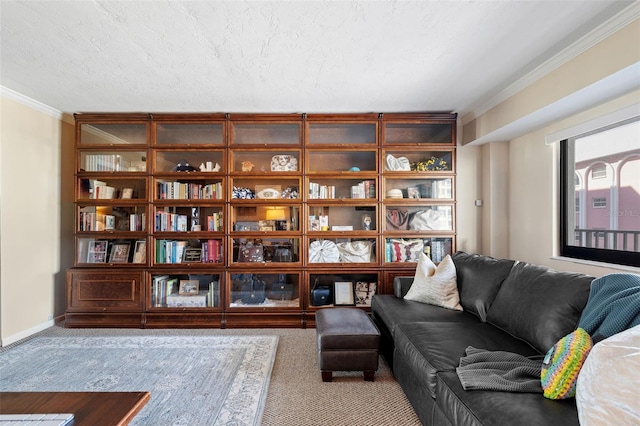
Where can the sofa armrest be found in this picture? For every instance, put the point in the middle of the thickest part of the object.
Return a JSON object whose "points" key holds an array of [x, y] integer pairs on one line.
{"points": [[401, 286]]}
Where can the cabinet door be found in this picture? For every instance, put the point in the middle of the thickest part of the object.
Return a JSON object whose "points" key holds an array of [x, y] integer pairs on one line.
{"points": [[338, 288], [113, 134], [184, 290], [252, 289], [418, 132], [189, 134], [341, 133], [104, 290]]}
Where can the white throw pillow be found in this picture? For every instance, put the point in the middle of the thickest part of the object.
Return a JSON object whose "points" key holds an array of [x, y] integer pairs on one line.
{"points": [[435, 285]]}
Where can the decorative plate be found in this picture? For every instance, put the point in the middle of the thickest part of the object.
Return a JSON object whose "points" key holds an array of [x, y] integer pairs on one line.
{"points": [[268, 193]]}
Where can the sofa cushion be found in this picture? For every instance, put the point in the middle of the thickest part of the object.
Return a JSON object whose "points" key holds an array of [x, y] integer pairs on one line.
{"points": [[479, 407], [391, 311], [539, 305], [435, 285], [431, 347], [479, 279]]}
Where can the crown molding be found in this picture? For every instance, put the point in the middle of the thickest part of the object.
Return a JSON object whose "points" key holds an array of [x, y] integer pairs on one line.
{"points": [[35, 105], [600, 33]]}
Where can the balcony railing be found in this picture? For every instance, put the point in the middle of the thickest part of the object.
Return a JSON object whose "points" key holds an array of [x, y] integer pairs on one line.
{"points": [[611, 239]]}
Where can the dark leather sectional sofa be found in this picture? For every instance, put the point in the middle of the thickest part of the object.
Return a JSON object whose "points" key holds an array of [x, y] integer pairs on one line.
{"points": [[508, 306]]}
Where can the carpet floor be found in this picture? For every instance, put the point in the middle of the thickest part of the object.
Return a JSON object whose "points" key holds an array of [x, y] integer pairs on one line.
{"points": [[297, 396]]}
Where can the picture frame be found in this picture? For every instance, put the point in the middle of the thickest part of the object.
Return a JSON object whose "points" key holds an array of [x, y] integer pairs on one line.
{"points": [[413, 192], [192, 255], [189, 287], [120, 252], [97, 252], [109, 222], [247, 226], [344, 293], [140, 252], [126, 194]]}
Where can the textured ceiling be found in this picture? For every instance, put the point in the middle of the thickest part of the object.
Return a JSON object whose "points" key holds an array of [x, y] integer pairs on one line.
{"points": [[273, 56]]}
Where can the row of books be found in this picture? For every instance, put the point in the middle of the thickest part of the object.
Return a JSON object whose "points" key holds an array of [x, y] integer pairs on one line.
{"points": [[172, 222], [179, 251], [364, 189], [437, 249], [214, 222], [112, 163], [101, 191], [318, 191], [103, 163], [92, 221], [189, 191]]}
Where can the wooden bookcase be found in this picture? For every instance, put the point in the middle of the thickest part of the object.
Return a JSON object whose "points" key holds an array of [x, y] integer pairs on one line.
{"points": [[230, 220]]}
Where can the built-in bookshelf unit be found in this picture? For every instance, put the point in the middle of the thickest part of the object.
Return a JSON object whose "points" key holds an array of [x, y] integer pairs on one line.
{"points": [[253, 220]]}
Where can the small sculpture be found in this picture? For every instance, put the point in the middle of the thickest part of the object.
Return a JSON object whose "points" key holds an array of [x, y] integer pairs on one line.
{"points": [[184, 166], [247, 166], [216, 168]]}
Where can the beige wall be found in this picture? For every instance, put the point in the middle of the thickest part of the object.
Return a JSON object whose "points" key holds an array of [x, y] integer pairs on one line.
{"points": [[520, 177], [33, 256], [618, 51], [533, 195]]}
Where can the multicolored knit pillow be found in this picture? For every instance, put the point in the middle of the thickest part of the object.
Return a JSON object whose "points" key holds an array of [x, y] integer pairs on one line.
{"points": [[562, 364]]}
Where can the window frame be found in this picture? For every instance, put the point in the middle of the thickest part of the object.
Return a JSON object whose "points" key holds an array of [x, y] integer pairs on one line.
{"points": [[566, 209]]}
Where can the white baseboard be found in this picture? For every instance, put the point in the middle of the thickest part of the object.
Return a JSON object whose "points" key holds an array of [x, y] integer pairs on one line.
{"points": [[26, 333]]}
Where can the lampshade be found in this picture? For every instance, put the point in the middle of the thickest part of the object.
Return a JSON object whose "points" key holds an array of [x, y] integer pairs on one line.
{"points": [[275, 214]]}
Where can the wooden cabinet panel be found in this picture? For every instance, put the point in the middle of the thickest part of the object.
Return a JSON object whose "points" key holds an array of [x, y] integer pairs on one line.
{"points": [[104, 291]]}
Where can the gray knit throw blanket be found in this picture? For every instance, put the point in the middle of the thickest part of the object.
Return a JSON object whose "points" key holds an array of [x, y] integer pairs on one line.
{"points": [[499, 371]]}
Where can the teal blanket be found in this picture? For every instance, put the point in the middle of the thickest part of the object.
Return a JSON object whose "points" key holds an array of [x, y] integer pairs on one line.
{"points": [[613, 306]]}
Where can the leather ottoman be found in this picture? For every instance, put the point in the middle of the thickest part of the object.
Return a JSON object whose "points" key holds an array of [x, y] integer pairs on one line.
{"points": [[347, 341]]}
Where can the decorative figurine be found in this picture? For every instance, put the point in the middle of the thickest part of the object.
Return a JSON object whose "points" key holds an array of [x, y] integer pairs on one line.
{"points": [[366, 222], [247, 166]]}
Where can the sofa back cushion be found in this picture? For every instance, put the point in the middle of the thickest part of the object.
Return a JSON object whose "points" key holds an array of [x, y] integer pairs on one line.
{"points": [[540, 305], [479, 279]]}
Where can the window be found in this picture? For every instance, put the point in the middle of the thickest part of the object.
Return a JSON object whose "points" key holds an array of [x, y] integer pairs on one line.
{"points": [[599, 203], [599, 172], [600, 194]]}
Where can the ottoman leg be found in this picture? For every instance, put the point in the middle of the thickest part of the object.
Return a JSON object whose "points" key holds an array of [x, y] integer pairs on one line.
{"points": [[327, 376], [369, 375]]}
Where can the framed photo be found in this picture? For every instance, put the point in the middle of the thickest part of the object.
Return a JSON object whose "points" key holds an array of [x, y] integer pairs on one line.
{"points": [[109, 222], [97, 252], [189, 287], [413, 192], [120, 252], [140, 252], [344, 293], [191, 255], [127, 193], [247, 226]]}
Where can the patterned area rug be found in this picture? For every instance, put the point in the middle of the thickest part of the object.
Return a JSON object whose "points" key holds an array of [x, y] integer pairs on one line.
{"points": [[193, 380]]}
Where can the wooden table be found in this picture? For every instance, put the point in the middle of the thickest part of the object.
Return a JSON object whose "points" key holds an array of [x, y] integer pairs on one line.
{"points": [[88, 408]]}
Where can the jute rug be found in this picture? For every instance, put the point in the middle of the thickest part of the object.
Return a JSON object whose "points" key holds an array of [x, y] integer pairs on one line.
{"points": [[193, 379]]}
